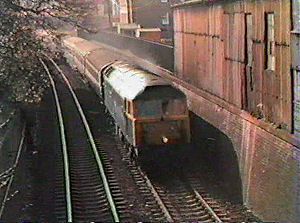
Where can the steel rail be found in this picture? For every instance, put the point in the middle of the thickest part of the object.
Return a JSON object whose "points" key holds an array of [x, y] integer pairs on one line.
{"points": [[5, 123], [64, 146], [6, 172], [6, 176], [206, 205], [12, 176], [91, 139], [157, 197]]}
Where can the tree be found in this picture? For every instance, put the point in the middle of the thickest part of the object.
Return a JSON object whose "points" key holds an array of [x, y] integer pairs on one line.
{"points": [[24, 24]]}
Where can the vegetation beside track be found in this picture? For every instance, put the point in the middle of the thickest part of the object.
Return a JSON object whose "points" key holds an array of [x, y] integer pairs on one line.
{"points": [[27, 28]]}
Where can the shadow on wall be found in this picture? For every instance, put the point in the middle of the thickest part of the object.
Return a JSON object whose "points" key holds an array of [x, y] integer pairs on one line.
{"points": [[217, 151]]}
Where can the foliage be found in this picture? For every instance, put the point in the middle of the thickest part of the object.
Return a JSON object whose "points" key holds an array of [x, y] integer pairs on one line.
{"points": [[24, 24]]}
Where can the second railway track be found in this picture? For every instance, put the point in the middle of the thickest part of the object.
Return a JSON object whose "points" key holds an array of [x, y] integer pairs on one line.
{"points": [[83, 191]]}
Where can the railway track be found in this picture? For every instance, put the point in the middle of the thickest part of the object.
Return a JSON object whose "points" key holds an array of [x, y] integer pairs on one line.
{"points": [[86, 190], [8, 176], [184, 200], [177, 206]]}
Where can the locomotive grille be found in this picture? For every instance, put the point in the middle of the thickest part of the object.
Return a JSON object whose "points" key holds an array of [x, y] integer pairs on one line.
{"points": [[154, 132]]}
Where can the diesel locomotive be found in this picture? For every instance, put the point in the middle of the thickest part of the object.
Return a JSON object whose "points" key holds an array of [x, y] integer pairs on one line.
{"points": [[149, 113]]}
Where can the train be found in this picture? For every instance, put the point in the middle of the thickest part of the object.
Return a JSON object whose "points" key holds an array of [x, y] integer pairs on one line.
{"points": [[149, 113]]}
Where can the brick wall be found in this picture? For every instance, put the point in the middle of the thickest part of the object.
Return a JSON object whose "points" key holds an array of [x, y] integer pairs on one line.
{"points": [[269, 167]]}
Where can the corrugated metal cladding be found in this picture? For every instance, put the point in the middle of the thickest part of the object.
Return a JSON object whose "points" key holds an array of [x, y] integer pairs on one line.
{"points": [[240, 52]]}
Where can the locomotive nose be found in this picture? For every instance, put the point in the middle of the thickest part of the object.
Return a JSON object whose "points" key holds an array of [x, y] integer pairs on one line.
{"points": [[165, 139]]}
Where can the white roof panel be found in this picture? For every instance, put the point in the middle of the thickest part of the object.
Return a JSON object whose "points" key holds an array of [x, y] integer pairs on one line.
{"points": [[130, 81]]}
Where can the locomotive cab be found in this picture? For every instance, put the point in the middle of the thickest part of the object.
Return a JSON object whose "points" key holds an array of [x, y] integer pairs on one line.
{"points": [[161, 117], [147, 110]]}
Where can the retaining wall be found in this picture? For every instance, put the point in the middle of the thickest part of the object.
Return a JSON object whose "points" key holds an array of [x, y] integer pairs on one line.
{"points": [[155, 52]]}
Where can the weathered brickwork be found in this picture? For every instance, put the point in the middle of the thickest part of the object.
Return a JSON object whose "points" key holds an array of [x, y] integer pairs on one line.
{"points": [[239, 51], [269, 166]]}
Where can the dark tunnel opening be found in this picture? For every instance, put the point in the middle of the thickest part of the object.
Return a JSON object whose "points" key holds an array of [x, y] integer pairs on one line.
{"points": [[216, 150]]}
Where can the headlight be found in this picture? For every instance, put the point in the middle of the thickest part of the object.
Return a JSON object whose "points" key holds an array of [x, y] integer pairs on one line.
{"points": [[165, 139]]}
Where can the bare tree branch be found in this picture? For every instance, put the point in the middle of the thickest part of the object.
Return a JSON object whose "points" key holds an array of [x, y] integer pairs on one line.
{"points": [[24, 25]]}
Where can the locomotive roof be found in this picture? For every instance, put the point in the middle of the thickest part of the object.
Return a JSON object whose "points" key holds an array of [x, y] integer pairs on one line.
{"points": [[130, 81]]}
